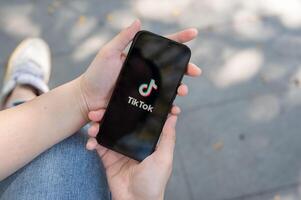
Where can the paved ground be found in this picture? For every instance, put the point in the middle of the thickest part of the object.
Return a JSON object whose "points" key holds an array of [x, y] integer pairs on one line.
{"points": [[239, 134]]}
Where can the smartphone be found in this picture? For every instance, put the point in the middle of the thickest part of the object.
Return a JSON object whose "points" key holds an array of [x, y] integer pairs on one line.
{"points": [[143, 95]]}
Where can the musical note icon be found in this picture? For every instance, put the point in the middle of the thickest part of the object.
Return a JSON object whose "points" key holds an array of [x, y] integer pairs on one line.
{"points": [[146, 89]]}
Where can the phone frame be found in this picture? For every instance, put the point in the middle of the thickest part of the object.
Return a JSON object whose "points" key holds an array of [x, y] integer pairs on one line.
{"points": [[118, 80]]}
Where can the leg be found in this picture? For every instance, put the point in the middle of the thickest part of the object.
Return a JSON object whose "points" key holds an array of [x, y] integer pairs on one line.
{"points": [[66, 171], [21, 93]]}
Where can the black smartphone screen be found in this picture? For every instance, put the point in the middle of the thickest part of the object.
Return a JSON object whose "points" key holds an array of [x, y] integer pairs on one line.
{"points": [[143, 95]]}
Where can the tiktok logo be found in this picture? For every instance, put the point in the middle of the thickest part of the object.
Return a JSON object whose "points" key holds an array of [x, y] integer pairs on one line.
{"points": [[145, 90]]}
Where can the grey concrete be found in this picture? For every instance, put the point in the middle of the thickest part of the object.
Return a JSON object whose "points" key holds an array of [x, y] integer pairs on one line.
{"points": [[239, 132], [255, 156], [289, 192]]}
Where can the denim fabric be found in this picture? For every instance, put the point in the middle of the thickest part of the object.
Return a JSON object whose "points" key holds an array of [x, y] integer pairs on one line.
{"points": [[66, 171]]}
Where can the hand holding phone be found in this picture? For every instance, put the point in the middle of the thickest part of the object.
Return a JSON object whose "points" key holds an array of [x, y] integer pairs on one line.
{"points": [[122, 172]]}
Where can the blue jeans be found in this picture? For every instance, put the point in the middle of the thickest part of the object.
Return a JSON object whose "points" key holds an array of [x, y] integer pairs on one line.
{"points": [[66, 171]]}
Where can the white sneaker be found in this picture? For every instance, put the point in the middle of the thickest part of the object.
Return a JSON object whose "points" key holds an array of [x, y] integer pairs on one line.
{"points": [[29, 64]]}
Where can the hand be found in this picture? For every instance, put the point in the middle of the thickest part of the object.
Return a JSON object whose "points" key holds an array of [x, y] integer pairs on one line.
{"points": [[127, 178], [98, 81]]}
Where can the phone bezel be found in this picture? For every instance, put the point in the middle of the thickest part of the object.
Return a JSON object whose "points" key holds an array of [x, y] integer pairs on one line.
{"points": [[118, 80]]}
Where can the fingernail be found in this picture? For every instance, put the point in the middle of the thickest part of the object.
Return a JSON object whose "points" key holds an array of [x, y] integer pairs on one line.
{"points": [[199, 71], [194, 31]]}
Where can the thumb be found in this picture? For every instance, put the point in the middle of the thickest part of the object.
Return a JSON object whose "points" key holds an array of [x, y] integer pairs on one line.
{"points": [[120, 41], [166, 145]]}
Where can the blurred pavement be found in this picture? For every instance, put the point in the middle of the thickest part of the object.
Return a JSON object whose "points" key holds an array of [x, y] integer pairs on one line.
{"points": [[239, 133]]}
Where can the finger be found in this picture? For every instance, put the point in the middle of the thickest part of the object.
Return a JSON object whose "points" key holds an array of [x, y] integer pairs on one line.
{"points": [[91, 144], [193, 70], [175, 110], [108, 157], [101, 150], [167, 140], [184, 36], [96, 115], [93, 130], [121, 41], [182, 90]]}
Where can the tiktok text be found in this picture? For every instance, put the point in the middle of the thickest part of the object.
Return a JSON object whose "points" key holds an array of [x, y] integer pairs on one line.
{"points": [[140, 104]]}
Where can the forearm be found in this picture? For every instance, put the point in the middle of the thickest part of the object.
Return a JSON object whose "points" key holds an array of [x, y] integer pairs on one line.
{"points": [[29, 129]]}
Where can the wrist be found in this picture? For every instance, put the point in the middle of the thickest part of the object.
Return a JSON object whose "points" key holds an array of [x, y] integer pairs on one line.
{"points": [[81, 98]]}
